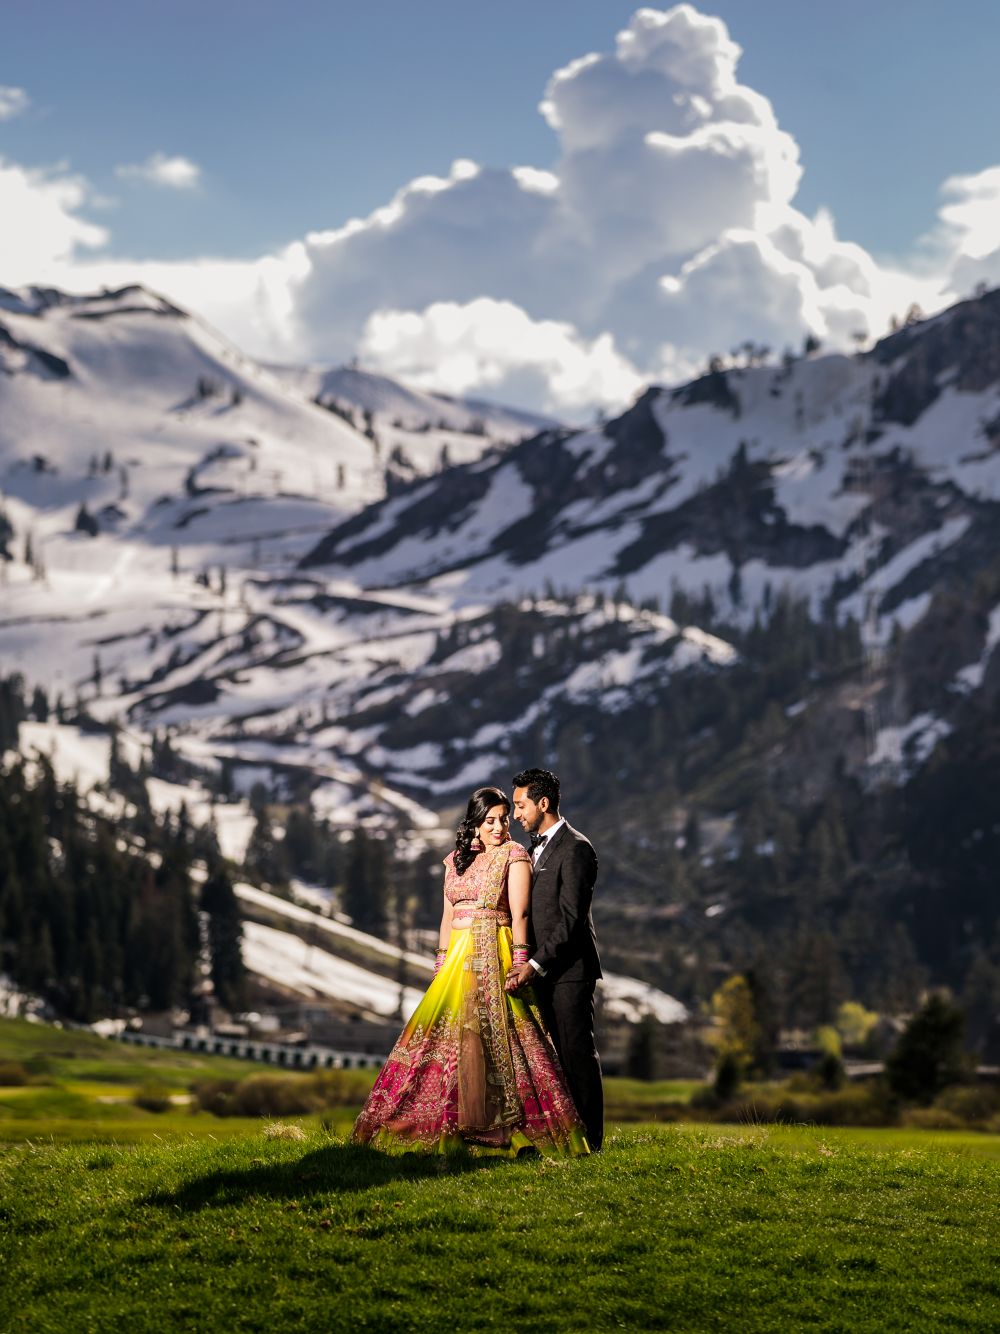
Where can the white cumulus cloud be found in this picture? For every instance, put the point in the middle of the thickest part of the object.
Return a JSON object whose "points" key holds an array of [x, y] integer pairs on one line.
{"points": [[174, 173], [13, 101], [496, 346], [667, 227], [40, 226], [665, 230]]}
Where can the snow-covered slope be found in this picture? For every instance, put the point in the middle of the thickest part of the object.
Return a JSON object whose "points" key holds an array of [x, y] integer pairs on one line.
{"points": [[313, 963], [414, 410], [867, 485], [413, 432], [749, 479], [155, 488], [202, 433]]}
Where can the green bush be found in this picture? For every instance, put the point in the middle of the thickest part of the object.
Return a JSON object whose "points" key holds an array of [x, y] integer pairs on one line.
{"points": [[973, 1104], [282, 1095], [932, 1118], [855, 1105], [728, 1076], [830, 1071], [153, 1097], [12, 1074]]}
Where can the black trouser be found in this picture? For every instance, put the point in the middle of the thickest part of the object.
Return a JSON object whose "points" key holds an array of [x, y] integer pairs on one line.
{"points": [[568, 1010]]}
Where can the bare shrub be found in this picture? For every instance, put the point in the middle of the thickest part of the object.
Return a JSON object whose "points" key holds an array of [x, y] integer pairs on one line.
{"points": [[282, 1130]]}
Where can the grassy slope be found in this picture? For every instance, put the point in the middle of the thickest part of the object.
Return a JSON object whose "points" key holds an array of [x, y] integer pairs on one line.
{"points": [[80, 1054], [675, 1228], [81, 1087]]}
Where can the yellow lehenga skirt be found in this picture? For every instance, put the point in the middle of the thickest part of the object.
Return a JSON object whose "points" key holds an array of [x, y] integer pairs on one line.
{"points": [[474, 1066]]}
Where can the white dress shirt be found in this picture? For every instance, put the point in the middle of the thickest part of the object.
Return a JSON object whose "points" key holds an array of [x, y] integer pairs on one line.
{"points": [[536, 852], [547, 837]]}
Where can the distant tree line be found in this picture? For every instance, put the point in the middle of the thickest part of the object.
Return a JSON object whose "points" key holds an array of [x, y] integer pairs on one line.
{"points": [[379, 888], [95, 917]]}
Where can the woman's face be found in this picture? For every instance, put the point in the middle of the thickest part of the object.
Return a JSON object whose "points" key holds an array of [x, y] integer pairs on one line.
{"points": [[494, 829]]}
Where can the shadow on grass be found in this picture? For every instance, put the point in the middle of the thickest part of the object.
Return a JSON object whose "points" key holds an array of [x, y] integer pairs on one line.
{"points": [[337, 1168]]}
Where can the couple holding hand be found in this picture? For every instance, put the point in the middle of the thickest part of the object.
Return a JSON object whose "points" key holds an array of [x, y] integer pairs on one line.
{"points": [[500, 1051]]}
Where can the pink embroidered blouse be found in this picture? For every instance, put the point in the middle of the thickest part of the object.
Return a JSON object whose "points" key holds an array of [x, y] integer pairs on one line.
{"points": [[484, 884]]}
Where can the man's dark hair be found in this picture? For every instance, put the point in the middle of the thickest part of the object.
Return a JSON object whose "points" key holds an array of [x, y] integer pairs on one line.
{"points": [[540, 783]]}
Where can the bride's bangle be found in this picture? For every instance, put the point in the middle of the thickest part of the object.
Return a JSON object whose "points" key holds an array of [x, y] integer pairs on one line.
{"points": [[439, 959]]}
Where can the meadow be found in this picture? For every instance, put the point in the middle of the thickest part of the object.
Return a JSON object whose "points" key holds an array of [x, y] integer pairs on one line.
{"points": [[179, 1220], [679, 1228]]}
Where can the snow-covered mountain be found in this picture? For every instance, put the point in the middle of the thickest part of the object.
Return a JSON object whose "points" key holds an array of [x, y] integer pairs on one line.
{"points": [[820, 475], [607, 600], [151, 474], [125, 403], [168, 434], [522, 580], [415, 430], [865, 484]]}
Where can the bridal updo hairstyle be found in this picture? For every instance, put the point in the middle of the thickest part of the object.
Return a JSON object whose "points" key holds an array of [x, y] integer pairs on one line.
{"points": [[481, 803]]}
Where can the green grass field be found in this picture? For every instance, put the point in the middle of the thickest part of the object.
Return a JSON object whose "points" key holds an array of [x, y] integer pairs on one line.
{"points": [[115, 1217], [673, 1228]]}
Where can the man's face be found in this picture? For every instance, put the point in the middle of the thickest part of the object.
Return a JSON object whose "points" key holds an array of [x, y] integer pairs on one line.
{"points": [[529, 814]]}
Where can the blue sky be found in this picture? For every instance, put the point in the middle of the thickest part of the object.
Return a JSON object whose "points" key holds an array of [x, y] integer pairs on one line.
{"points": [[305, 114], [680, 201]]}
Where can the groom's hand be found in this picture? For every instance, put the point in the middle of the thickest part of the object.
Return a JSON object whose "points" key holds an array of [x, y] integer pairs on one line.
{"points": [[519, 977]]}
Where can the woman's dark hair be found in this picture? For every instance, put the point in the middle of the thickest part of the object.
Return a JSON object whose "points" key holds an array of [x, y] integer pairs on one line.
{"points": [[481, 803], [540, 783]]}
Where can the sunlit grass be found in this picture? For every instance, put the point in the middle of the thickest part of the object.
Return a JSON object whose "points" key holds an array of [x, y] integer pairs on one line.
{"points": [[681, 1228]]}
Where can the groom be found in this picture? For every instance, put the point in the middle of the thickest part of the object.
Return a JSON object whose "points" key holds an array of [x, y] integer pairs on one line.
{"points": [[565, 965]]}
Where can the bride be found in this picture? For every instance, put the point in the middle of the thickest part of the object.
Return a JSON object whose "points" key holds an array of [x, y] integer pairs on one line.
{"points": [[474, 1064]]}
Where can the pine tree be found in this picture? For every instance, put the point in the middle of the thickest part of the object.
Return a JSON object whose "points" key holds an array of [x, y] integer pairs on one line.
{"points": [[929, 1055], [39, 705], [12, 711], [219, 900], [266, 857], [365, 884], [85, 521]]}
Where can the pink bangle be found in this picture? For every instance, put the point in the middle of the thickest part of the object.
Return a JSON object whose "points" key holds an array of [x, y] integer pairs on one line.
{"points": [[520, 957]]}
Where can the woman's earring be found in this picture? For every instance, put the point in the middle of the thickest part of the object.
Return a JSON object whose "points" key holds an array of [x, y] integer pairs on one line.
{"points": [[476, 844]]}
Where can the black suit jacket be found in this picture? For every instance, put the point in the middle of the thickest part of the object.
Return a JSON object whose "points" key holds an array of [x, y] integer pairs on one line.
{"points": [[562, 891]]}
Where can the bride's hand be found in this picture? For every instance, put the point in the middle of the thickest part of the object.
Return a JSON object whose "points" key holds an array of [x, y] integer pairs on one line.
{"points": [[518, 977]]}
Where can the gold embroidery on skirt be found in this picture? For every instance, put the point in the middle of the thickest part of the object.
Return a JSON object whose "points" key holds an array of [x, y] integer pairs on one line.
{"points": [[485, 1063]]}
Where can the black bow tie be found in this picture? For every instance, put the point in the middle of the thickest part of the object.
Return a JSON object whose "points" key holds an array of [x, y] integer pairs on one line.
{"points": [[537, 840]]}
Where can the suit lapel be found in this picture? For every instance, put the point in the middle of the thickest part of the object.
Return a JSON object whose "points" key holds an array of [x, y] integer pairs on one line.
{"points": [[547, 850]]}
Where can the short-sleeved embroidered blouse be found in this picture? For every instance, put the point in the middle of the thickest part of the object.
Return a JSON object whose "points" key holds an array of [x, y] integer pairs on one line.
{"points": [[485, 881]]}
